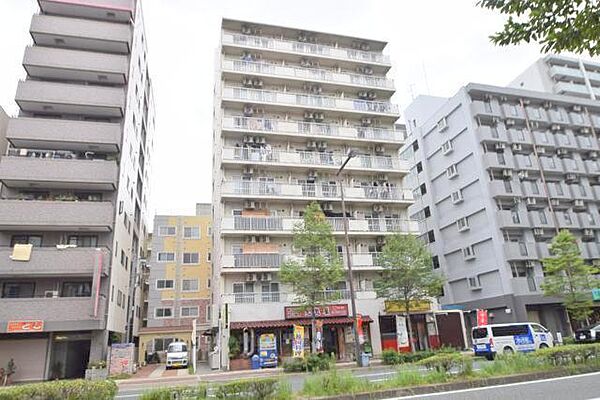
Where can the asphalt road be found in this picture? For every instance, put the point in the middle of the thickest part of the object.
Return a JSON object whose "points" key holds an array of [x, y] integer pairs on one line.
{"points": [[578, 387]]}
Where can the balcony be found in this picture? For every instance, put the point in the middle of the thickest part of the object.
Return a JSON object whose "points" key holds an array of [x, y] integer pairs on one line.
{"points": [[498, 161], [289, 297], [520, 251], [108, 10], [551, 165], [485, 109], [565, 73], [511, 219], [590, 250], [41, 133], [285, 225], [302, 48], [82, 34], [58, 314], [35, 215], [56, 261], [572, 89], [527, 285], [66, 98], [260, 262], [313, 160], [312, 129], [74, 65], [505, 188], [302, 74], [303, 100], [491, 134], [28, 172], [315, 191]]}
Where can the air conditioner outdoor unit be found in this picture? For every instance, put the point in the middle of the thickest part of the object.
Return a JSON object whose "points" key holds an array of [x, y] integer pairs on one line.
{"points": [[555, 127], [311, 144], [248, 139], [442, 124], [517, 147], [570, 177], [362, 95], [562, 152], [585, 130], [540, 150], [579, 203], [366, 121], [588, 232], [327, 207], [313, 174], [322, 145], [378, 208], [531, 201], [381, 177], [246, 30], [250, 277], [250, 204], [499, 146], [577, 108], [509, 122], [555, 202], [379, 149], [248, 170], [547, 104], [507, 173], [538, 231], [523, 175], [51, 293], [380, 240]]}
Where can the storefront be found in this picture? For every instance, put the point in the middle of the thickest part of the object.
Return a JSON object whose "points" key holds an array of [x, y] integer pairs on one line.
{"points": [[336, 331]]}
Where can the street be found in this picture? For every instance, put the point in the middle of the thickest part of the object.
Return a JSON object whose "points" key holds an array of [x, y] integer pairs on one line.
{"points": [[577, 387]]}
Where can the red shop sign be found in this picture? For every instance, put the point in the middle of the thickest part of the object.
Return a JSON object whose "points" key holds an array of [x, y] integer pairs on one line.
{"points": [[331, 310]]}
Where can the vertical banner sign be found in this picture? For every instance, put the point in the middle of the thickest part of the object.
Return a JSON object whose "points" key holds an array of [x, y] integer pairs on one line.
{"points": [[319, 341], [359, 325], [298, 342], [401, 332], [482, 317]]}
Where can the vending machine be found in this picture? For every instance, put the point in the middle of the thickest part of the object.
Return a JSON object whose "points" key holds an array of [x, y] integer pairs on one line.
{"points": [[267, 350]]}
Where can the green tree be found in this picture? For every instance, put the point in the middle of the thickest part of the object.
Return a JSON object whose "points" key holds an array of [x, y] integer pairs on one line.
{"points": [[558, 25], [320, 268], [407, 275], [569, 277]]}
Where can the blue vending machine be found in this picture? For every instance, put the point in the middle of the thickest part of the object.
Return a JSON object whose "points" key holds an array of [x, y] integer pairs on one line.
{"points": [[267, 350]]}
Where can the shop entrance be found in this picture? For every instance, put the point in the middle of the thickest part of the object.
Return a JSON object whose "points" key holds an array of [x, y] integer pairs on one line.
{"points": [[330, 340], [70, 355]]}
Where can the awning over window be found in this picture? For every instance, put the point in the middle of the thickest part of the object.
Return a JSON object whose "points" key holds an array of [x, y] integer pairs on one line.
{"points": [[285, 323]]}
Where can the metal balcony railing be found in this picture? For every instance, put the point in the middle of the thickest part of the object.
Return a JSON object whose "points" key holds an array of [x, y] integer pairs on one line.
{"points": [[306, 73], [286, 224], [304, 48], [309, 100], [303, 128], [286, 297]]}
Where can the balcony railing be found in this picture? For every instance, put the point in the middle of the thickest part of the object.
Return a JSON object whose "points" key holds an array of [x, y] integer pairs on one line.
{"points": [[304, 48], [307, 73], [286, 224], [315, 190], [310, 158], [303, 128], [274, 260], [309, 100], [285, 297]]}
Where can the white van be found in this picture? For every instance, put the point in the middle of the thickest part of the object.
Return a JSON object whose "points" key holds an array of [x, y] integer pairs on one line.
{"points": [[177, 355], [489, 340]]}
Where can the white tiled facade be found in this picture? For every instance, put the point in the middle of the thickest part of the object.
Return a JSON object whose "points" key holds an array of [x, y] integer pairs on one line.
{"points": [[289, 104]]}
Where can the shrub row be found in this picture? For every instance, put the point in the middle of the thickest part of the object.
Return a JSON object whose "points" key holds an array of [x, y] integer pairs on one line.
{"points": [[78, 389], [570, 354], [255, 389], [312, 363], [179, 392], [449, 362], [392, 357]]}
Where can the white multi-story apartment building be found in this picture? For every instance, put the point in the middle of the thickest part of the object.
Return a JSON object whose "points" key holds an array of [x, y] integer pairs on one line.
{"points": [[289, 105], [75, 188], [498, 172]]}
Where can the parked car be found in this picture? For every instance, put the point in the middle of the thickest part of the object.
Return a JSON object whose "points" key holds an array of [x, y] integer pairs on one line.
{"points": [[489, 340], [177, 355], [590, 333]]}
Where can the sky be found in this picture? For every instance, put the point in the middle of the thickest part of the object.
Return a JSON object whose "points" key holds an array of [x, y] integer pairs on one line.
{"points": [[436, 46]]}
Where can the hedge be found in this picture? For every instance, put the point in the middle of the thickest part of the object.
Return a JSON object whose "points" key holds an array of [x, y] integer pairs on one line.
{"points": [[312, 363], [449, 362], [78, 389], [178, 392], [570, 354], [255, 389], [392, 357]]}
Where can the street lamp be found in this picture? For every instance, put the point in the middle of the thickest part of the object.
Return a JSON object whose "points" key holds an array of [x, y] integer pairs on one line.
{"points": [[351, 154]]}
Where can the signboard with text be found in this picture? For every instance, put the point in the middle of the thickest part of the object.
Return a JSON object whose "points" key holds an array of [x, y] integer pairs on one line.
{"points": [[25, 326], [482, 317], [332, 310], [298, 342], [396, 307]]}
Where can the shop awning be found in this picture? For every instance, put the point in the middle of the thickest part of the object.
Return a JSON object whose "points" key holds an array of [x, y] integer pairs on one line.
{"points": [[285, 323]]}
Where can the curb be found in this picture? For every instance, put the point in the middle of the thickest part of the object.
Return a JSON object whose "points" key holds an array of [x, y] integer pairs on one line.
{"points": [[447, 387]]}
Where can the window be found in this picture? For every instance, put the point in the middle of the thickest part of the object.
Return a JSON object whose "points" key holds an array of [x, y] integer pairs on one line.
{"points": [[35, 240], [164, 284], [582, 190], [209, 230], [442, 124], [536, 112], [191, 258], [119, 298], [463, 224], [209, 256], [430, 237], [165, 257], [123, 262], [161, 344], [528, 162], [510, 330], [419, 167], [469, 252], [189, 285], [244, 292], [512, 109], [427, 212], [543, 218], [435, 260], [452, 171], [18, 290], [447, 147], [83, 240], [535, 188], [518, 270], [520, 133], [415, 146], [457, 197], [163, 312], [270, 292], [474, 282], [559, 189], [167, 231], [487, 106], [189, 312], [76, 289], [568, 219], [191, 232]]}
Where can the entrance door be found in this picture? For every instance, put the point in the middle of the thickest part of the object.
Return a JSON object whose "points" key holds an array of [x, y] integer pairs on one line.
{"points": [[330, 340], [70, 355], [450, 330]]}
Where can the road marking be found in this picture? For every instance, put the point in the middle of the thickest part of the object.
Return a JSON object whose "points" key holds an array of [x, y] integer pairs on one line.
{"points": [[495, 386]]}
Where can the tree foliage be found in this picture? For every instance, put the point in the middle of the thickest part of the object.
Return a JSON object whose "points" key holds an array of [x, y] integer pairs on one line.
{"points": [[320, 268], [569, 277], [558, 25], [407, 275]]}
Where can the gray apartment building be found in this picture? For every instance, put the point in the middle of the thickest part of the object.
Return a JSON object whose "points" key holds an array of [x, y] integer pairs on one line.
{"points": [[74, 187], [497, 172]]}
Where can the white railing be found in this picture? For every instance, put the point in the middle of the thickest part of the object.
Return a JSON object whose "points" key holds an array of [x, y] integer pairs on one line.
{"points": [[285, 297], [314, 190], [309, 100], [325, 158], [274, 260], [306, 73], [287, 224], [303, 128], [304, 48], [265, 260]]}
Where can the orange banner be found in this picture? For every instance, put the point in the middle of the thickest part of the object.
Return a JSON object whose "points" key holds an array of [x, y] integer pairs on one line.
{"points": [[24, 326]]}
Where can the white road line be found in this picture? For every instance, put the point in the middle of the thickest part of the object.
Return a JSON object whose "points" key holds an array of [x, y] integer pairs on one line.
{"points": [[494, 387]]}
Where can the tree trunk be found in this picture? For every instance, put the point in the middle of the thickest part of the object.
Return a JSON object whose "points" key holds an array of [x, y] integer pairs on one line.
{"points": [[313, 329], [410, 334]]}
